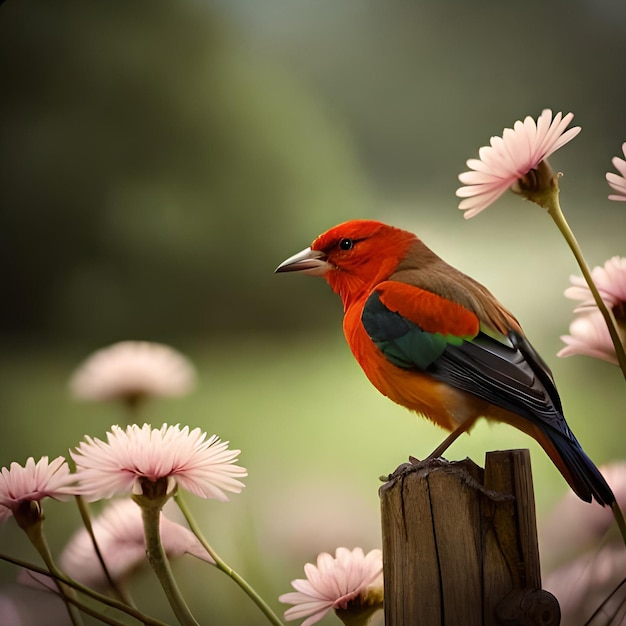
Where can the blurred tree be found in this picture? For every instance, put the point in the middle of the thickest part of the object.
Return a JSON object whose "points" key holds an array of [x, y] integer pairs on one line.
{"points": [[157, 160], [422, 82], [150, 168]]}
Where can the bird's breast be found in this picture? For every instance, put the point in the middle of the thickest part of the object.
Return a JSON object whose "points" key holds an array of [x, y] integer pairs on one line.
{"points": [[411, 388]]}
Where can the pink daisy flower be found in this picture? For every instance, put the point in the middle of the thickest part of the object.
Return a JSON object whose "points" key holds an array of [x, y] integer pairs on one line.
{"points": [[33, 483], [618, 181], [187, 459], [610, 281], [119, 532], [131, 371], [349, 581], [583, 562], [588, 331], [589, 336], [511, 157]]}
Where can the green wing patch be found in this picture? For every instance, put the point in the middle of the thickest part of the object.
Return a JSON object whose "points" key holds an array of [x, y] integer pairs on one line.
{"points": [[403, 342]]}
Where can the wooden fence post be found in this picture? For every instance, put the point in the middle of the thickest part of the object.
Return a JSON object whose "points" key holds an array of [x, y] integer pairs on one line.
{"points": [[460, 545]]}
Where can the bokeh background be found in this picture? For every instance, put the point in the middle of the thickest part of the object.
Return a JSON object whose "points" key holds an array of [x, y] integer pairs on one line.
{"points": [[159, 159]]}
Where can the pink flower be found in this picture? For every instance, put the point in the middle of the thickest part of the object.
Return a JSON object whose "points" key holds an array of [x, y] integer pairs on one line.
{"points": [[511, 157], [618, 182], [610, 281], [583, 562], [33, 482], [588, 331], [205, 467], [120, 535], [589, 336], [349, 581], [131, 371]]}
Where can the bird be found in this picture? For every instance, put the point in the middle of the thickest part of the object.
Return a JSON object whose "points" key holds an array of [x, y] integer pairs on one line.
{"points": [[439, 343]]}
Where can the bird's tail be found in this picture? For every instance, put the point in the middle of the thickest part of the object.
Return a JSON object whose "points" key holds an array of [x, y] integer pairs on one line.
{"points": [[578, 469], [580, 472]]}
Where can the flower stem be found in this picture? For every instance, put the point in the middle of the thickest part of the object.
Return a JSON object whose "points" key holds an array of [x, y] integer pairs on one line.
{"points": [[555, 212], [224, 567], [151, 513], [117, 590], [87, 610], [116, 604], [30, 520]]}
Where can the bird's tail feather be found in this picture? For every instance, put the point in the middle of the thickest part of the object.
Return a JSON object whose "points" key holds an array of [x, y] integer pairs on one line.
{"points": [[581, 473], [583, 476]]}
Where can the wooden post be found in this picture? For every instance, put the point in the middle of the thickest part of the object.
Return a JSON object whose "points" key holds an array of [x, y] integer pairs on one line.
{"points": [[460, 545]]}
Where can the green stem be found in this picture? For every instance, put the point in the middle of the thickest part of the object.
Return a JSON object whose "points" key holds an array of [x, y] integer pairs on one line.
{"points": [[117, 590], [224, 567], [554, 209], [134, 408], [87, 610], [151, 512], [30, 520], [115, 604]]}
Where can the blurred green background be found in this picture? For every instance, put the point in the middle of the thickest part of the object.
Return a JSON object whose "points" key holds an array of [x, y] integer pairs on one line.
{"points": [[159, 159]]}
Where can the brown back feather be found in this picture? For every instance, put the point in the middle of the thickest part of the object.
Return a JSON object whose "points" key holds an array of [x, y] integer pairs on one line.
{"points": [[423, 268]]}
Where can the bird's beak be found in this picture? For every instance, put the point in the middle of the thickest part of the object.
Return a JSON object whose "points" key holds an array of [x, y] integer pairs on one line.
{"points": [[312, 262]]}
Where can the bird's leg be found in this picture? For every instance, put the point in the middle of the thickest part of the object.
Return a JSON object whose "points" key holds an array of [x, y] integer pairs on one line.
{"points": [[449, 440]]}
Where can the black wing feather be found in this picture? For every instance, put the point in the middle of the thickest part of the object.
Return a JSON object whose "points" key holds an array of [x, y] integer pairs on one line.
{"points": [[517, 379], [503, 376], [510, 375]]}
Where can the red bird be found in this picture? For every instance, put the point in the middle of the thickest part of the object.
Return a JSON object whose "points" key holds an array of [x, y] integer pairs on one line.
{"points": [[437, 342]]}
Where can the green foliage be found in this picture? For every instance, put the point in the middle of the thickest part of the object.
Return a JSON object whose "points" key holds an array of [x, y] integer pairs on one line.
{"points": [[152, 168]]}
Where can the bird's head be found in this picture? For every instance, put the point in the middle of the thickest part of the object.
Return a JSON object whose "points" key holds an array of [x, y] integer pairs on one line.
{"points": [[353, 256]]}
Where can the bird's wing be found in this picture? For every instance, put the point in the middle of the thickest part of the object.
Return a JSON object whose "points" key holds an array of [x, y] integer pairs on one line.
{"points": [[417, 329]]}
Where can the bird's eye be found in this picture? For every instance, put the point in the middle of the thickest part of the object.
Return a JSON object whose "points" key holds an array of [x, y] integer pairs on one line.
{"points": [[346, 244]]}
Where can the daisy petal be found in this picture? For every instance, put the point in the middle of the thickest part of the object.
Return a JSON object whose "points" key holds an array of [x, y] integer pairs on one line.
{"points": [[33, 482], [205, 467], [512, 156], [610, 279], [618, 181], [348, 581], [589, 336]]}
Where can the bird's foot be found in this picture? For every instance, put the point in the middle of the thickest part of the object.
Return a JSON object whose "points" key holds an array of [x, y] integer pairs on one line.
{"points": [[430, 457], [413, 465]]}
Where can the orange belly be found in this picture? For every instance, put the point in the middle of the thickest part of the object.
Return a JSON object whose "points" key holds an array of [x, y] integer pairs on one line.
{"points": [[444, 405]]}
